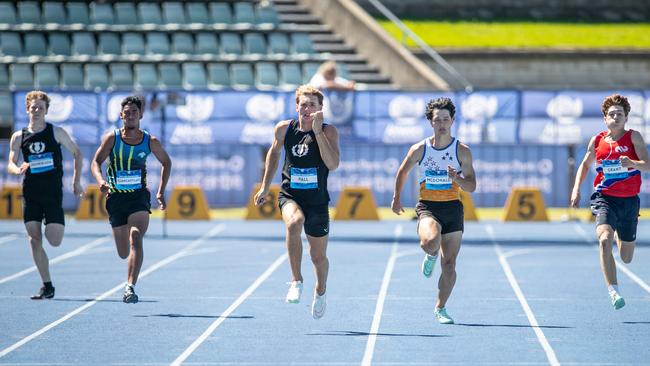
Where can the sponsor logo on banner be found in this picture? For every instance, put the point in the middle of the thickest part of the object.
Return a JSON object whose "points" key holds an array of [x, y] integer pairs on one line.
{"points": [[405, 112], [639, 114], [338, 107], [191, 134], [564, 110], [264, 109], [114, 108], [197, 108], [60, 107], [478, 110]]}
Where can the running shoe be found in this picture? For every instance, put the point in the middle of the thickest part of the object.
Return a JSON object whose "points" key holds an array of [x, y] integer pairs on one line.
{"points": [[428, 264], [44, 293], [442, 316], [295, 290], [129, 295], [318, 306], [617, 301]]}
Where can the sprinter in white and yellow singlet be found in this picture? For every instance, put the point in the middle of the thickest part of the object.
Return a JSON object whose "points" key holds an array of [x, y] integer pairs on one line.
{"points": [[128, 200], [445, 167]]}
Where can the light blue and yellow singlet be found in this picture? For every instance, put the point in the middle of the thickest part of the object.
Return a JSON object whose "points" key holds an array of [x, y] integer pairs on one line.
{"points": [[127, 170]]}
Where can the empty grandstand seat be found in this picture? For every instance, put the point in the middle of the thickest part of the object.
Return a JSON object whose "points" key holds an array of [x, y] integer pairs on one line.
{"points": [[4, 77], [197, 13], [121, 75], [302, 43], [290, 74], [125, 13], [77, 13], [241, 75], [7, 13], [254, 43], [170, 75], [146, 76], [22, 76], [244, 13], [59, 44], [35, 44], [266, 74], [309, 69], [29, 12], [194, 76], [109, 43], [72, 76], [231, 43], [266, 14], [183, 43], [11, 44], [279, 43], [53, 12], [173, 12], [47, 76], [149, 13], [83, 43], [220, 13], [133, 44], [96, 76], [157, 43], [102, 13], [6, 109], [206, 42], [218, 75]]}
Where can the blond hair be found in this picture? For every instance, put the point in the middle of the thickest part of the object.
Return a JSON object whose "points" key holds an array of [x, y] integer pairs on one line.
{"points": [[37, 95], [309, 90]]}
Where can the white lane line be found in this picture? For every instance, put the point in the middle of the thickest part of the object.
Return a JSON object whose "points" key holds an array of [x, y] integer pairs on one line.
{"points": [[550, 353], [644, 285], [8, 238], [79, 251], [381, 298], [249, 291], [215, 230]]}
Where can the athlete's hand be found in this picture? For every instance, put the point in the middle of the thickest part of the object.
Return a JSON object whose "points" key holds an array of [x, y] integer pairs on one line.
{"points": [[452, 173], [396, 206], [77, 189], [627, 162], [161, 201], [317, 122], [260, 196], [575, 199], [103, 187], [23, 168]]}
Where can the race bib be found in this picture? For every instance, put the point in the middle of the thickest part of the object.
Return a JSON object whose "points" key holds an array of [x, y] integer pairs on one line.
{"points": [[128, 179], [39, 163], [612, 169], [437, 180], [304, 178]]}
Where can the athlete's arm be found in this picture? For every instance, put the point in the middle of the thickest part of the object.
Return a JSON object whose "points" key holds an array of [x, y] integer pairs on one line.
{"points": [[14, 152], [159, 152], [581, 174], [63, 138], [412, 157], [271, 163], [100, 156], [328, 141], [468, 180], [643, 164]]}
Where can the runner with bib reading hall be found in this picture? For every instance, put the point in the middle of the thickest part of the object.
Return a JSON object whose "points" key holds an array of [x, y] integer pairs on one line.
{"points": [[445, 166]]}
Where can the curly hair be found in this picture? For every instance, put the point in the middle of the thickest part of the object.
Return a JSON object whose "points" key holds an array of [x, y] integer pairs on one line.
{"points": [[36, 95], [615, 99], [440, 103], [309, 90]]}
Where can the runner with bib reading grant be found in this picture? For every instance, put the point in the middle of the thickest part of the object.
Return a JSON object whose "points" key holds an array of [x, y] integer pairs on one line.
{"points": [[445, 167], [311, 150]]}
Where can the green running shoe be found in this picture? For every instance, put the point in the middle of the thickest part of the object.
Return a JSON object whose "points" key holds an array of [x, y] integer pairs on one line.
{"points": [[617, 301], [442, 316], [427, 265]]}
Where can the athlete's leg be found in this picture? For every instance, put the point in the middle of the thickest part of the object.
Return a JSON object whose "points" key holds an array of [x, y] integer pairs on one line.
{"points": [[449, 252], [41, 260], [625, 249], [54, 233], [138, 223], [605, 235], [294, 220], [318, 253], [429, 232], [121, 236]]}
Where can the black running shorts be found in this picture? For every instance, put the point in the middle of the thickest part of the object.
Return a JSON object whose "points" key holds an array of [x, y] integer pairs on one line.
{"points": [[317, 217], [121, 205], [449, 214], [621, 213], [37, 207]]}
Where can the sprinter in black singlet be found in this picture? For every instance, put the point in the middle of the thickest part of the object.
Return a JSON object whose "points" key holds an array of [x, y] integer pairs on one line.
{"points": [[40, 144], [129, 201], [311, 151]]}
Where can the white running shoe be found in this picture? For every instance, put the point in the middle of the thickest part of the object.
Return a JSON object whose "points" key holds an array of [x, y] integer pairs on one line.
{"points": [[295, 290], [319, 305]]}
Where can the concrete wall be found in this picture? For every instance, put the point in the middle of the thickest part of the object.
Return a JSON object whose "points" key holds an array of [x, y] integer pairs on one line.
{"points": [[360, 31], [550, 70]]}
